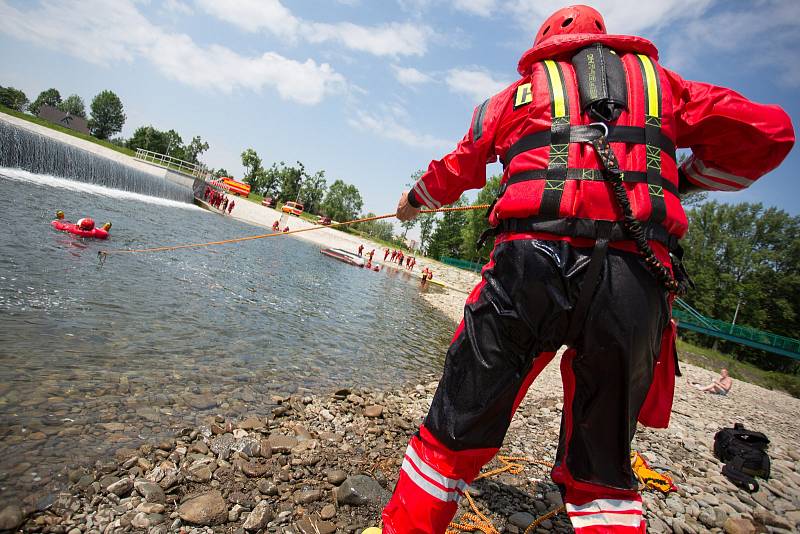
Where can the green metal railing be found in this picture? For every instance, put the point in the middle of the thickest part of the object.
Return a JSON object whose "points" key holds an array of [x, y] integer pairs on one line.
{"points": [[462, 264], [690, 319]]}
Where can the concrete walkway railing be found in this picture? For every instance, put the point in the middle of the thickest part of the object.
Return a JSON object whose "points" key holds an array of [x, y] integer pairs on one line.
{"points": [[163, 160]]}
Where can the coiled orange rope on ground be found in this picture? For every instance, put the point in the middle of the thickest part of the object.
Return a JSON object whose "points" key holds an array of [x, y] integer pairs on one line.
{"points": [[104, 253], [475, 520]]}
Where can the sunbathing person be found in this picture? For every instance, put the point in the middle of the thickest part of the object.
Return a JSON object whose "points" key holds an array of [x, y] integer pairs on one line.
{"points": [[721, 386]]}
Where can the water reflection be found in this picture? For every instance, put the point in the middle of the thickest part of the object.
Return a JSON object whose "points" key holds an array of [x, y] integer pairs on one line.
{"points": [[98, 358]]}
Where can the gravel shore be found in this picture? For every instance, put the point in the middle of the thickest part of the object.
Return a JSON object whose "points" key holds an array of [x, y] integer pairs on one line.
{"points": [[327, 462]]}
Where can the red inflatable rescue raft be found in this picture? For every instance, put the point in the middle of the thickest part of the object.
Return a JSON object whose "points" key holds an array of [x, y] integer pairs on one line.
{"points": [[72, 228]]}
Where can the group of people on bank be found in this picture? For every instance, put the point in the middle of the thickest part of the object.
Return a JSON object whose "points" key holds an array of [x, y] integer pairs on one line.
{"points": [[219, 200]]}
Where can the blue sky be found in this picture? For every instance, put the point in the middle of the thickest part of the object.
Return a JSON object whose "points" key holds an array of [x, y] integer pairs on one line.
{"points": [[368, 90]]}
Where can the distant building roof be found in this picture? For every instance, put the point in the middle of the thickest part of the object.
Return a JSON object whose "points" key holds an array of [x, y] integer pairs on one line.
{"points": [[57, 116]]}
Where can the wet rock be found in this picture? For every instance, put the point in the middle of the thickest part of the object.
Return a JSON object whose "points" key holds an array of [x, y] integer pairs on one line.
{"points": [[199, 447], [361, 489], [254, 469], [282, 444], [341, 394], [252, 423], [151, 491], [242, 499], [521, 519], [140, 520], [150, 508], [328, 512], [259, 517], [265, 449], [202, 402], [739, 526], [11, 517], [335, 476], [315, 525], [308, 496], [207, 509], [373, 411], [267, 487], [221, 446], [199, 473], [121, 487], [65, 504]]}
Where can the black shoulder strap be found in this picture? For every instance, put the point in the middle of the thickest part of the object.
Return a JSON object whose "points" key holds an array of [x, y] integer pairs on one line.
{"points": [[652, 132]]}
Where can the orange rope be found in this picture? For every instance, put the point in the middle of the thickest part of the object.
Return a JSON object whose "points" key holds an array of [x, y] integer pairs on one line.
{"points": [[104, 253], [475, 520]]}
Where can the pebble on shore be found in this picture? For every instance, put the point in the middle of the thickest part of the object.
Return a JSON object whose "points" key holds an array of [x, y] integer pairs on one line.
{"points": [[328, 463]]}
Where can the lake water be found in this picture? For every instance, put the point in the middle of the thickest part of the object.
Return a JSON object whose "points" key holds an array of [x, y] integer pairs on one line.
{"points": [[152, 342]]}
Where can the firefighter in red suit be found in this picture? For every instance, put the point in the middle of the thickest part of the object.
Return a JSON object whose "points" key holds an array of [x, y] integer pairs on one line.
{"points": [[586, 255]]}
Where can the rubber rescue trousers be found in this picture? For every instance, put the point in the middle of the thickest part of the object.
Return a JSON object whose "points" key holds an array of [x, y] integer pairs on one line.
{"points": [[564, 272]]}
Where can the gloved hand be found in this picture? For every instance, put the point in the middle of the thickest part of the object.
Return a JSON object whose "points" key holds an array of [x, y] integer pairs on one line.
{"points": [[405, 211]]}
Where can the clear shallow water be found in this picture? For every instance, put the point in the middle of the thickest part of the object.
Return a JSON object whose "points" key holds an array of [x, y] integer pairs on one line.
{"points": [[156, 341]]}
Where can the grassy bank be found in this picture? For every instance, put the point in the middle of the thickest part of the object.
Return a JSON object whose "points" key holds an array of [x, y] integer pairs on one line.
{"points": [[62, 129], [714, 361]]}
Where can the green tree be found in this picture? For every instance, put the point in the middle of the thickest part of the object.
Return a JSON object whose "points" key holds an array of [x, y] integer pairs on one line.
{"points": [[73, 105], [383, 230], [427, 222], [477, 223], [196, 147], [343, 201], [291, 178], [148, 138], [221, 173], [254, 172], [446, 239], [108, 115], [48, 97], [746, 256], [13, 98], [313, 191]]}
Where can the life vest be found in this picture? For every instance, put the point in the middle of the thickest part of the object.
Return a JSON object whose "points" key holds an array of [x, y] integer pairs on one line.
{"points": [[552, 176]]}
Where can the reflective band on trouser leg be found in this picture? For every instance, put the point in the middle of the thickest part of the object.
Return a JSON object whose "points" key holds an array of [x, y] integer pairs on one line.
{"points": [[559, 141], [426, 496], [652, 130], [592, 509]]}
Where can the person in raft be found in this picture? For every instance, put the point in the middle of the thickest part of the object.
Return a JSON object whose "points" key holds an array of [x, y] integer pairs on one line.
{"points": [[581, 258], [276, 226]]}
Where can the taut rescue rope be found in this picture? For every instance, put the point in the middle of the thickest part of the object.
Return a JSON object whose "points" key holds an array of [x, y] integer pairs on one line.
{"points": [[104, 253]]}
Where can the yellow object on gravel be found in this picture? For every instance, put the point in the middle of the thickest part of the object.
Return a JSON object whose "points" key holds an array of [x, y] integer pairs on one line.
{"points": [[649, 478]]}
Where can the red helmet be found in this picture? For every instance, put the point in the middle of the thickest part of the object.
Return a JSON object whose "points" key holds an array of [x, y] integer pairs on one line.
{"points": [[572, 19], [87, 223]]}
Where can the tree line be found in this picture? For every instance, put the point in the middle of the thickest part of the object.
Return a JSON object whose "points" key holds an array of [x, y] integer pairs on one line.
{"points": [[107, 117]]}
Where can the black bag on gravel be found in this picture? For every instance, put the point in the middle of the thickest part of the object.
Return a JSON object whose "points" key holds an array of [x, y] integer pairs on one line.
{"points": [[744, 454]]}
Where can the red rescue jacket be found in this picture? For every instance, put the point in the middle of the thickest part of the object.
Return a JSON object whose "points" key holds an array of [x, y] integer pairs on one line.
{"points": [[664, 112]]}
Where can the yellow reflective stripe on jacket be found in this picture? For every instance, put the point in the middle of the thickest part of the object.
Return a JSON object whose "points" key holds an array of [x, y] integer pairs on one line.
{"points": [[557, 87], [651, 81]]}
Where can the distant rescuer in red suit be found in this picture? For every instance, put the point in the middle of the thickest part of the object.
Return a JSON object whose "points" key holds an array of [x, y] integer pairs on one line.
{"points": [[586, 255]]}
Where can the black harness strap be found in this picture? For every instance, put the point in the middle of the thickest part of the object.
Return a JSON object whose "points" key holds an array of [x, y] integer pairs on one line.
{"points": [[593, 175], [559, 141], [634, 135], [590, 281]]}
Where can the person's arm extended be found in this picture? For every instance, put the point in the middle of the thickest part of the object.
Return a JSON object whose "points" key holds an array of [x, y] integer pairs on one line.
{"points": [[734, 141], [465, 167]]}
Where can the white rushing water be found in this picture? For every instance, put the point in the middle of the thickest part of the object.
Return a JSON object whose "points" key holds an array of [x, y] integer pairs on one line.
{"points": [[92, 189]]}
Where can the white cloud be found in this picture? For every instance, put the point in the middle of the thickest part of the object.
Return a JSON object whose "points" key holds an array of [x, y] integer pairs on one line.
{"points": [[124, 34], [482, 8], [410, 76], [477, 84], [394, 39], [389, 128], [179, 7], [621, 16]]}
